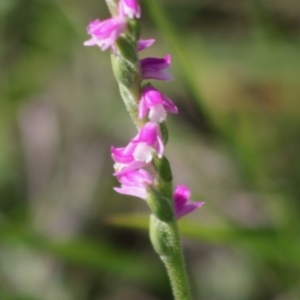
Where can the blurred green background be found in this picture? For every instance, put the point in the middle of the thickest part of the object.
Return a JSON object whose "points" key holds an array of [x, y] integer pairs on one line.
{"points": [[66, 235]]}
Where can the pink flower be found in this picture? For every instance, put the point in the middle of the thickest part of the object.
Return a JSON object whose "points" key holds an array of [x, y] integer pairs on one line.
{"points": [[182, 203], [139, 151], [143, 44], [105, 33], [125, 160], [156, 68], [134, 183], [156, 104], [129, 8]]}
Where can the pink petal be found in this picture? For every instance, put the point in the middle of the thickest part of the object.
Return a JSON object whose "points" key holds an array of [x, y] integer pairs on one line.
{"points": [[157, 113], [105, 33], [182, 202], [182, 194], [170, 106], [90, 42], [143, 109], [120, 156], [132, 191], [156, 68], [130, 8], [135, 178], [143, 44], [152, 100], [188, 208], [160, 148], [148, 133], [130, 167], [134, 183]]}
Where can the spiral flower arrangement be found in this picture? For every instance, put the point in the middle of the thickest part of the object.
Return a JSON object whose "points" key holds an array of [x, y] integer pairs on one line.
{"points": [[141, 167]]}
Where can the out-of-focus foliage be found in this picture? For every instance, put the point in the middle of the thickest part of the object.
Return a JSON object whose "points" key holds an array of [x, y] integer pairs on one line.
{"points": [[64, 233]]}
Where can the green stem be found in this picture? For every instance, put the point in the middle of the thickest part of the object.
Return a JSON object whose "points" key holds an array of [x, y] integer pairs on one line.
{"points": [[112, 6], [165, 240]]}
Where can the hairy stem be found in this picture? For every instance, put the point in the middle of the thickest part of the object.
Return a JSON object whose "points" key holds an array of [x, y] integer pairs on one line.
{"points": [[165, 240]]}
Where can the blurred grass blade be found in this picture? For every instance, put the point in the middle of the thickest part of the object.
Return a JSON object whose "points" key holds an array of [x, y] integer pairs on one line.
{"points": [[261, 242], [198, 231], [91, 254]]}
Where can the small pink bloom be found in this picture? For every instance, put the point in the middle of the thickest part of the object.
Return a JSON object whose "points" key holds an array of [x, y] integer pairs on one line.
{"points": [[156, 104], [148, 139], [105, 33], [182, 203], [129, 8], [124, 160], [156, 68], [143, 44], [139, 151], [134, 183]]}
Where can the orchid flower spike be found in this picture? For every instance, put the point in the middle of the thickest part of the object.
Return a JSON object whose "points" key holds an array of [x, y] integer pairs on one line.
{"points": [[105, 33], [182, 203], [129, 8], [156, 104], [134, 183], [156, 68], [139, 152]]}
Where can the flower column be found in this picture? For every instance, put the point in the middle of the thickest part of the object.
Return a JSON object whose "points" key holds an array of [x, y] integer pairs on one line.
{"points": [[140, 167]]}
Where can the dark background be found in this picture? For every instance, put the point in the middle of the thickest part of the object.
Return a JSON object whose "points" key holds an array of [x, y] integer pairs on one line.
{"points": [[66, 235]]}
